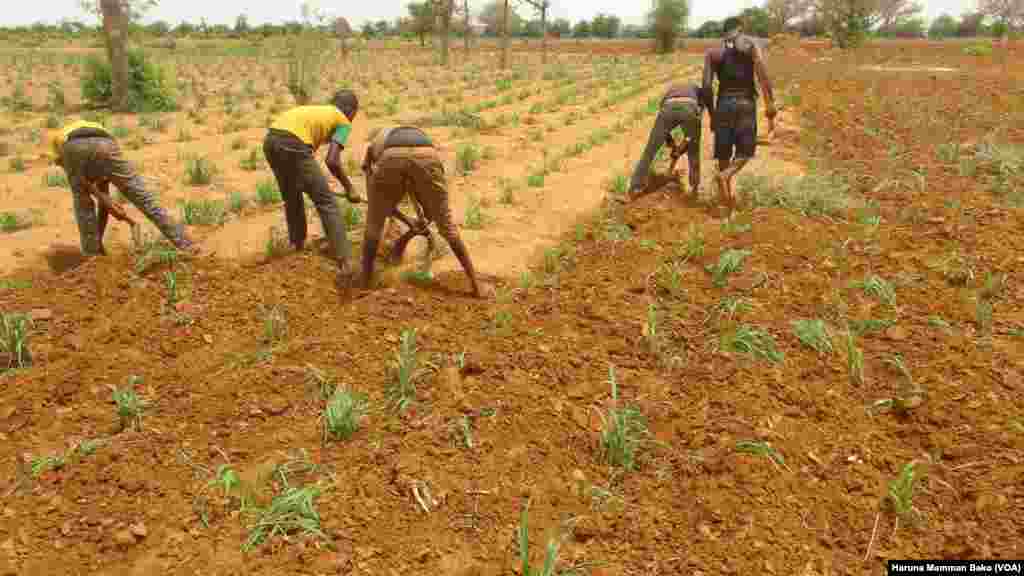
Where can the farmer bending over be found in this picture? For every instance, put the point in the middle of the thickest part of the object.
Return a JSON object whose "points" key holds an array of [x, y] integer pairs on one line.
{"points": [[403, 160], [289, 146], [682, 106], [92, 159]]}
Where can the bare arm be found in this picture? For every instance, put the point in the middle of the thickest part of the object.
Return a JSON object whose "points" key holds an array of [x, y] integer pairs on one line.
{"points": [[333, 162], [764, 80], [708, 87], [101, 191], [368, 160], [693, 154]]}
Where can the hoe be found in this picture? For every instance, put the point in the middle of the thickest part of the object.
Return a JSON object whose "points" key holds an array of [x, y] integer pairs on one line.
{"points": [[418, 227], [114, 209]]}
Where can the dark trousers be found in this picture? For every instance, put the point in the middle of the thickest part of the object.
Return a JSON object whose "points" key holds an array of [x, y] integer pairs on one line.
{"points": [[297, 173], [735, 127], [686, 114], [99, 159]]}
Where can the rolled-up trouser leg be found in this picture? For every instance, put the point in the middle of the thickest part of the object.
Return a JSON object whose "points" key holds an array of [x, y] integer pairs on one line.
{"points": [[386, 190], [286, 165], [88, 225], [131, 186], [315, 184], [295, 216], [102, 214], [79, 165]]}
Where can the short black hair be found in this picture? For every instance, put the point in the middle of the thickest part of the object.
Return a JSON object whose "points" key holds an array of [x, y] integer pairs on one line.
{"points": [[345, 100], [731, 23]]}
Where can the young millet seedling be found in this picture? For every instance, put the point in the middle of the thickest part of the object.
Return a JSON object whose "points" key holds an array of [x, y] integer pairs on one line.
{"points": [[343, 414], [623, 427]]}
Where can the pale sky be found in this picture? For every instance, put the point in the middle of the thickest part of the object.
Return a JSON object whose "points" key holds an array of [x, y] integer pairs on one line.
{"points": [[225, 11]]}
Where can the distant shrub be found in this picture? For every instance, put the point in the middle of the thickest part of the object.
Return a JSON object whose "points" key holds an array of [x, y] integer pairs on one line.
{"points": [[979, 49], [150, 89]]}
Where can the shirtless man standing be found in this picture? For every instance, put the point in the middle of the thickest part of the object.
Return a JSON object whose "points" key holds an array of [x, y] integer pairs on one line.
{"points": [[734, 113]]}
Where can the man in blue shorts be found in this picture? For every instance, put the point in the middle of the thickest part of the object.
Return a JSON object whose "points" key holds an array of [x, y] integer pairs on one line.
{"points": [[734, 113]]}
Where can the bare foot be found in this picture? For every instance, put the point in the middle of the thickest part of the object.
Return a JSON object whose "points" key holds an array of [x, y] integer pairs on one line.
{"points": [[721, 187], [731, 193], [484, 291]]}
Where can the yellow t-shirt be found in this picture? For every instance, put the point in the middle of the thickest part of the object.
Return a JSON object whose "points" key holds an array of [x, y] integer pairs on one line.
{"points": [[60, 137], [314, 125]]}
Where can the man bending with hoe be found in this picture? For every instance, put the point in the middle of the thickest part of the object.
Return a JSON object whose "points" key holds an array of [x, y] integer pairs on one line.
{"points": [[682, 105], [402, 160], [289, 146], [92, 159], [734, 114]]}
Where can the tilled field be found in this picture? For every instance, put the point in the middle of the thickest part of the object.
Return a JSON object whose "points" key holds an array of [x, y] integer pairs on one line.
{"points": [[788, 364]]}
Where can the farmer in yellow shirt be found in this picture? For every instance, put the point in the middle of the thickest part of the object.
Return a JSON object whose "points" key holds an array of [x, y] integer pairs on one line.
{"points": [[92, 159], [289, 146]]}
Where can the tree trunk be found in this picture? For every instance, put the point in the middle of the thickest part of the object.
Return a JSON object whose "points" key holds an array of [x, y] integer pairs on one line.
{"points": [[504, 37], [114, 32], [544, 33], [446, 19], [466, 30]]}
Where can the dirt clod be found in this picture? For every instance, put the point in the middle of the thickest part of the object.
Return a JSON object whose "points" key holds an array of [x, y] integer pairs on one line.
{"points": [[63, 258], [124, 538], [138, 530]]}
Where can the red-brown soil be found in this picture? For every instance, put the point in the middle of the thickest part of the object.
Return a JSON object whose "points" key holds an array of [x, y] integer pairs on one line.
{"points": [[533, 389]]}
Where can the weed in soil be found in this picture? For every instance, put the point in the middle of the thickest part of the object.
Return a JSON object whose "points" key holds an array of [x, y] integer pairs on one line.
{"points": [[14, 340]]}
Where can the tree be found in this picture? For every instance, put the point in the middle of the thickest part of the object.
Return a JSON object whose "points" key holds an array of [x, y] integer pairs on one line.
{"points": [[970, 25], [422, 15], [709, 29], [1010, 12], [342, 29], [541, 6], [782, 12], [668, 20], [605, 25], [847, 21], [159, 28], [904, 28], [467, 30], [561, 27], [506, 17], [242, 24], [500, 18], [115, 24], [368, 30], [756, 22], [133, 10], [491, 16], [581, 29], [444, 10], [893, 12], [942, 27]]}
